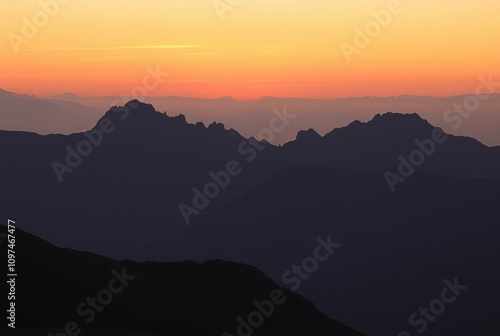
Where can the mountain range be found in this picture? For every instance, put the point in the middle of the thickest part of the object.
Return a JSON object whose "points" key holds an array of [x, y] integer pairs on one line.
{"points": [[250, 117], [122, 198], [44, 116]]}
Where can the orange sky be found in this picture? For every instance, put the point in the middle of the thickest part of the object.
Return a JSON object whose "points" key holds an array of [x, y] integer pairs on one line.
{"points": [[289, 48]]}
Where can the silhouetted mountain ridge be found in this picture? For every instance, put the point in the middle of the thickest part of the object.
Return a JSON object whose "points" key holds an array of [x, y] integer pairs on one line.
{"points": [[183, 298], [145, 118], [148, 163], [378, 144], [143, 167]]}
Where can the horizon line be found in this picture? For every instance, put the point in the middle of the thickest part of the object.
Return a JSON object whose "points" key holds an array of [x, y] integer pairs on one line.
{"points": [[55, 96]]}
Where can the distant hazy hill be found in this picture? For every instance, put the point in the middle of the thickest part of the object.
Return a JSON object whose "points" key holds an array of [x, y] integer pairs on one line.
{"points": [[44, 116]]}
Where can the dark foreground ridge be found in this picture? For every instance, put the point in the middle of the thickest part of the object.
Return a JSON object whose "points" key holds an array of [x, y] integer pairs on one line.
{"points": [[184, 298]]}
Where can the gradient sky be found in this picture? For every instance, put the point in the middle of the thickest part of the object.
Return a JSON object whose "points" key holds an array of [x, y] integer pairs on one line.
{"points": [[288, 48]]}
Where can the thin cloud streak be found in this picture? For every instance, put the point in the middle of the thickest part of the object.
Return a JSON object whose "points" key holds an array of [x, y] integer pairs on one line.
{"points": [[168, 46]]}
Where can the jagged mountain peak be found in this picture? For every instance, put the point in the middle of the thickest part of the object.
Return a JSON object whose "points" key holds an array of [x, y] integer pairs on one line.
{"points": [[309, 134], [216, 125], [388, 122], [398, 116]]}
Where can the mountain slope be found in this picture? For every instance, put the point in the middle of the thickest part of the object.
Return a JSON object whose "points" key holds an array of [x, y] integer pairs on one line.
{"points": [[378, 144], [142, 166], [169, 298], [396, 248]]}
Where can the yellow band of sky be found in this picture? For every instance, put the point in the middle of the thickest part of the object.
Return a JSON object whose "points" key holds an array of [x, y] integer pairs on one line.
{"points": [[249, 48]]}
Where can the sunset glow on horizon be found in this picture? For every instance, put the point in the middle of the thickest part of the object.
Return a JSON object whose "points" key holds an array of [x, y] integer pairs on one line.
{"points": [[279, 48]]}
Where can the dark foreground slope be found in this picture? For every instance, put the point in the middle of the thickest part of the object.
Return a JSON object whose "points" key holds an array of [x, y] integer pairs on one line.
{"points": [[184, 298]]}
